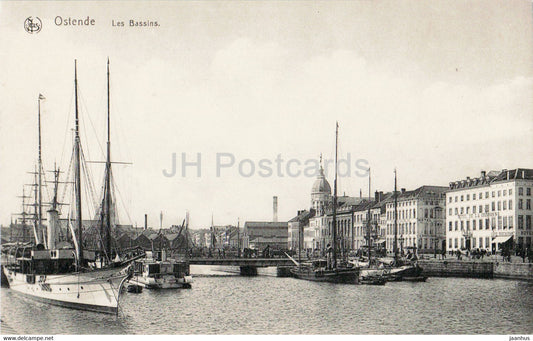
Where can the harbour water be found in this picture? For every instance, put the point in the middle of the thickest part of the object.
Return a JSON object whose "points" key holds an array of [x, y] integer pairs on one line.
{"points": [[221, 302]]}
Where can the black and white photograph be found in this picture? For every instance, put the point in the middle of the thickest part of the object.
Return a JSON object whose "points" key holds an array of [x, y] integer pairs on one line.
{"points": [[238, 169]]}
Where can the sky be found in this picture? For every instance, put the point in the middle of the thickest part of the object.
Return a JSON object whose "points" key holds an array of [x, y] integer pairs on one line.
{"points": [[438, 90]]}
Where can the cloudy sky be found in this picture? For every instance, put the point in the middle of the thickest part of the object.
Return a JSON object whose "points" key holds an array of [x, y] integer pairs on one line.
{"points": [[439, 90]]}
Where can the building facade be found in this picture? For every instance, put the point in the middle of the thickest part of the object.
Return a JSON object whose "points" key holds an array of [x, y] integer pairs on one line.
{"points": [[420, 222], [490, 212]]}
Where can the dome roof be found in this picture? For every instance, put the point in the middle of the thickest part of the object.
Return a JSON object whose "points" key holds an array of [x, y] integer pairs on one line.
{"points": [[321, 185]]}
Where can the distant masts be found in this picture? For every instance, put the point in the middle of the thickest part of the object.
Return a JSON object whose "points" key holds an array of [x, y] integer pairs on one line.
{"points": [[39, 174]]}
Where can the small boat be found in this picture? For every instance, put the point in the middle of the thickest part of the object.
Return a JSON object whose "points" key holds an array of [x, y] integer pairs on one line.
{"points": [[373, 277], [373, 280], [399, 273], [161, 274], [134, 288], [414, 279]]}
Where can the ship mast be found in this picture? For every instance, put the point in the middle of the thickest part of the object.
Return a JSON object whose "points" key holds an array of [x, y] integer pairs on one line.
{"points": [[107, 191], [395, 218], [40, 230], [369, 220], [77, 170], [334, 223]]}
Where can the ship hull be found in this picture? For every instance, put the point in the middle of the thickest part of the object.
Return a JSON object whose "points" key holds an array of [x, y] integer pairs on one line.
{"points": [[165, 282], [348, 276], [97, 291]]}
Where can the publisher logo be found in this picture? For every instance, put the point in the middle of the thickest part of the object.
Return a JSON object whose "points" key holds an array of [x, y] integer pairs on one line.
{"points": [[33, 25]]}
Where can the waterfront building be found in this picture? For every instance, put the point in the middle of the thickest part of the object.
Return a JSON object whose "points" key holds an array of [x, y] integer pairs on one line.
{"points": [[259, 234], [491, 212], [299, 231], [420, 222]]}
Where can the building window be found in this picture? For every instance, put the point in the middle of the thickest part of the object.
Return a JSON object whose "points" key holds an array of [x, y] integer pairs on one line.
{"points": [[474, 209], [462, 243], [455, 225], [499, 193], [450, 199], [481, 224], [467, 197], [480, 242], [510, 222], [473, 225], [450, 211], [520, 204], [528, 222], [487, 226], [528, 204], [499, 205], [480, 208], [474, 196], [462, 197], [450, 226], [462, 210], [528, 191], [473, 242], [504, 223], [510, 191], [456, 198], [486, 208], [493, 206], [520, 191], [504, 205], [493, 194], [455, 243], [467, 210], [486, 195], [468, 225], [520, 222], [510, 204], [493, 223], [504, 192], [499, 223], [462, 225], [450, 243], [456, 211], [487, 242]]}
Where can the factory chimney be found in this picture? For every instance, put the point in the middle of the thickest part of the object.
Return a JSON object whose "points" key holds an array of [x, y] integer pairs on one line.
{"points": [[275, 208], [145, 222]]}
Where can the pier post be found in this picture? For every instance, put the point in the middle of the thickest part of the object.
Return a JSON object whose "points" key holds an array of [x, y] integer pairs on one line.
{"points": [[248, 270]]}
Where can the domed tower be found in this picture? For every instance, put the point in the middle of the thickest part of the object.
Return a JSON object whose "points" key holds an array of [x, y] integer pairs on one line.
{"points": [[320, 193]]}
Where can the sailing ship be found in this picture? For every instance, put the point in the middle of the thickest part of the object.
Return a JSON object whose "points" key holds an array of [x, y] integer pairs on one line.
{"points": [[68, 276], [372, 274], [330, 269], [402, 269]]}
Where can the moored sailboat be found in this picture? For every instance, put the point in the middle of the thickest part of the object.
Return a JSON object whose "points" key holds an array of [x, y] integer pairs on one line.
{"points": [[329, 270], [64, 276]]}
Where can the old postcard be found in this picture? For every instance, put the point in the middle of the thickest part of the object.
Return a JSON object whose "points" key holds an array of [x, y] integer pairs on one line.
{"points": [[237, 167]]}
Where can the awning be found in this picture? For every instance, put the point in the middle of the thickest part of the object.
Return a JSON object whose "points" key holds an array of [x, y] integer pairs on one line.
{"points": [[499, 240]]}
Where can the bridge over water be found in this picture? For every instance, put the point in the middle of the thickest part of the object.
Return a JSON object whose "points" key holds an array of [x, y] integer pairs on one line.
{"points": [[248, 266]]}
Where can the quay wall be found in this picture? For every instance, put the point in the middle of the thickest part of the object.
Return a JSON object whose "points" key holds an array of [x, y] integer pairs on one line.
{"points": [[513, 270], [479, 269], [454, 268]]}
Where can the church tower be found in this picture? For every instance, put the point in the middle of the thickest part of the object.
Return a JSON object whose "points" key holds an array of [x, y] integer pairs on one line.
{"points": [[320, 193]]}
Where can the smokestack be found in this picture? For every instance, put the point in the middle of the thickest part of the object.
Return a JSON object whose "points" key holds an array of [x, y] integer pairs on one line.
{"points": [[145, 222], [53, 225], [403, 190], [275, 208], [376, 196], [483, 173]]}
